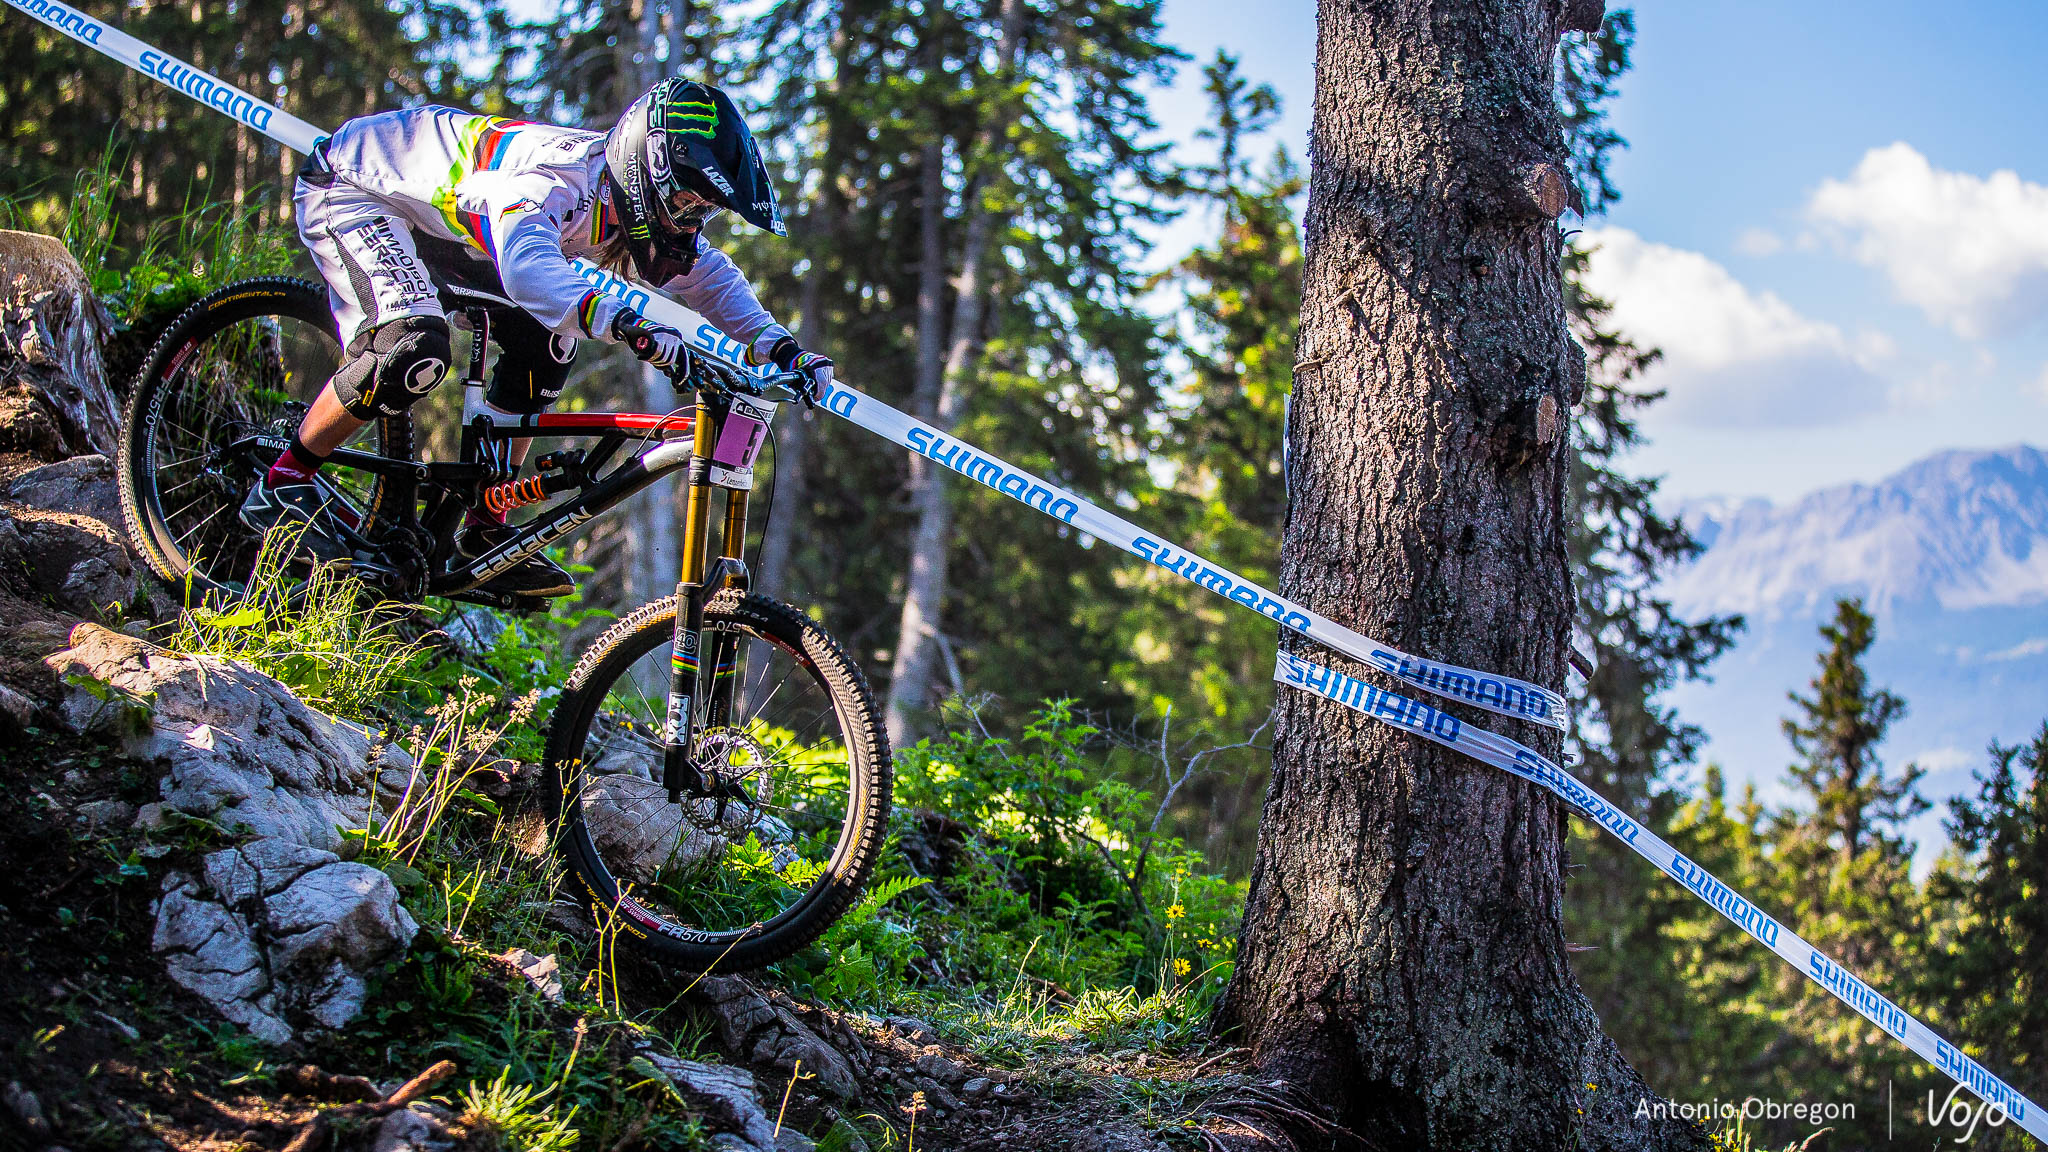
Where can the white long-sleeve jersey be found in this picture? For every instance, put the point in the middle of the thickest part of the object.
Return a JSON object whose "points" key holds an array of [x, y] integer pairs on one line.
{"points": [[528, 197]]}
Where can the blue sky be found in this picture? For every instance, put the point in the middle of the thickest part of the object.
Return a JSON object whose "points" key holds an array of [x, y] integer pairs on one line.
{"points": [[1834, 220]]}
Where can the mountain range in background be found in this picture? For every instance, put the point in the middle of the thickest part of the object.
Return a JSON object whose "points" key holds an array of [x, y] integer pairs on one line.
{"points": [[1950, 554]]}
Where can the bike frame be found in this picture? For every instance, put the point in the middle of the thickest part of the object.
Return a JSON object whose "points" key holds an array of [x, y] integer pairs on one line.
{"points": [[714, 442]]}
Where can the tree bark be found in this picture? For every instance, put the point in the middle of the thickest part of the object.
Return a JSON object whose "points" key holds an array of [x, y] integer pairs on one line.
{"points": [[1403, 958], [917, 634]]}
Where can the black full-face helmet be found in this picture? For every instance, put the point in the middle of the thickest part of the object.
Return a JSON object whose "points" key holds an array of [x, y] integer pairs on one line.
{"points": [[680, 155]]}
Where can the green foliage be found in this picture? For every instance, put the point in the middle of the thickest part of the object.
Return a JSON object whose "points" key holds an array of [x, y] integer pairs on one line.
{"points": [[323, 635], [1052, 914], [506, 1117], [1985, 970]]}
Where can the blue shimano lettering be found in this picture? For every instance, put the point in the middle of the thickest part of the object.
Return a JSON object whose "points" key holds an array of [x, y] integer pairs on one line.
{"points": [[605, 282], [1858, 995], [1976, 1078], [840, 402], [208, 91], [981, 469], [1725, 900], [1191, 569], [66, 20]]}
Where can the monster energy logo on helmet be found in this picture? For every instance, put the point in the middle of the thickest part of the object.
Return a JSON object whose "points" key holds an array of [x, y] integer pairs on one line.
{"points": [[684, 136], [683, 116]]}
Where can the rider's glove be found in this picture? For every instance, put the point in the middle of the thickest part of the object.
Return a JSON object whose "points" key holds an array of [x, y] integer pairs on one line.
{"points": [[657, 344], [815, 369]]}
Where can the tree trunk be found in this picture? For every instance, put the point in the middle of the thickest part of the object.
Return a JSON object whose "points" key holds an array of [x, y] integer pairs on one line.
{"points": [[1403, 958], [917, 633]]}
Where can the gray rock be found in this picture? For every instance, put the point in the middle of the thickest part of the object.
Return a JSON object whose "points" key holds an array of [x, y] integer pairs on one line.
{"points": [[52, 328], [913, 1029], [83, 485], [638, 830], [234, 746], [77, 563], [939, 1067], [98, 814], [16, 710], [210, 952], [977, 1088], [772, 1033], [936, 1095], [727, 1095], [278, 935], [407, 1130], [543, 972], [27, 1110]]}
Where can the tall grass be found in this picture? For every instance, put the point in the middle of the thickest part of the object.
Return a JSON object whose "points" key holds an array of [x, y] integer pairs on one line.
{"points": [[324, 635], [182, 254]]}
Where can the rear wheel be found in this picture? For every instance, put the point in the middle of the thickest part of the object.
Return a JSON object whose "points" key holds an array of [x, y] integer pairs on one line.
{"points": [[703, 884], [244, 362]]}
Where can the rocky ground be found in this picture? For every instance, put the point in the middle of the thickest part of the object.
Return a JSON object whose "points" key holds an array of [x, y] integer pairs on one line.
{"points": [[196, 960]]}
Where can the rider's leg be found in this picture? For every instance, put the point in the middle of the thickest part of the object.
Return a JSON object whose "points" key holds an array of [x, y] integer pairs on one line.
{"points": [[387, 310], [532, 368], [396, 348]]}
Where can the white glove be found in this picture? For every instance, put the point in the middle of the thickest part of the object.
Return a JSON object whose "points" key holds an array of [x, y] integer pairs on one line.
{"points": [[657, 344]]}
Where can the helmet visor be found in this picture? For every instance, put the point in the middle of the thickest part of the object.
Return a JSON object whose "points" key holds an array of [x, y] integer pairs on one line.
{"points": [[684, 211]]}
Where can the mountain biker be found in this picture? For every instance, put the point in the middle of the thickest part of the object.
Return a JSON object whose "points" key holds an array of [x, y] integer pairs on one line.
{"points": [[397, 204]]}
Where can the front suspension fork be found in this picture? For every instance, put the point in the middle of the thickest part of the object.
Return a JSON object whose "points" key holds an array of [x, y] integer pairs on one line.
{"points": [[701, 682]]}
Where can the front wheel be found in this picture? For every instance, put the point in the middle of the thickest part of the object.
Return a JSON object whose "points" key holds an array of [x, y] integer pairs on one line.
{"points": [[736, 883]]}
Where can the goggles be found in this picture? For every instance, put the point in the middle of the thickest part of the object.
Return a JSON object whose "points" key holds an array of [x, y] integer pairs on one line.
{"points": [[686, 211]]}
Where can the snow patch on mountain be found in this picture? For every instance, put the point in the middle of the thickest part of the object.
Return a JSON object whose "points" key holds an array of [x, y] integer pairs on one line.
{"points": [[1950, 554], [1956, 531]]}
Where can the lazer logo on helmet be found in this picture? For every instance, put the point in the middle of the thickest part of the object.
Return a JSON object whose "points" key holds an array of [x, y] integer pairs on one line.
{"points": [[66, 20], [208, 91]]}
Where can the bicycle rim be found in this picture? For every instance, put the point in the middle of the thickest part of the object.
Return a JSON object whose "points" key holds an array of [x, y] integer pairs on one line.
{"points": [[750, 880], [230, 377]]}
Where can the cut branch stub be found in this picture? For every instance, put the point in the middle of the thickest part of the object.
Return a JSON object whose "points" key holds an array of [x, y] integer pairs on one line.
{"points": [[1541, 190]]}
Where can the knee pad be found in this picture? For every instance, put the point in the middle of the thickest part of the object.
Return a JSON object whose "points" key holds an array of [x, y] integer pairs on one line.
{"points": [[533, 364], [393, 365]]}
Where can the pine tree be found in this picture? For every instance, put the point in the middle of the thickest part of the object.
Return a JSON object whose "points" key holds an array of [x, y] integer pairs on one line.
{"points": [[1207, 660], [64, 106], [1857, 806], [1841, 866], [1987, 974]]}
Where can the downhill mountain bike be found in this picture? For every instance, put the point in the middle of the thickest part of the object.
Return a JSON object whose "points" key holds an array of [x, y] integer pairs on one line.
{"points": [[716, 775]]}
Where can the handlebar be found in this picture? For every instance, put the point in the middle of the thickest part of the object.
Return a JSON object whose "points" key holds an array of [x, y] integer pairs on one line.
{"points": [[713, 375]]}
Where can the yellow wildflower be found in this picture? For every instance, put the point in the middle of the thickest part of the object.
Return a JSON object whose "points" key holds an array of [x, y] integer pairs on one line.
{"points": [[1181, 967], [1176, 912]]}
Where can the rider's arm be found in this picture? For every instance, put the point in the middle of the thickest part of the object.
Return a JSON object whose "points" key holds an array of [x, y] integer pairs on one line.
{"points": [[522, 231], [716, 290]]}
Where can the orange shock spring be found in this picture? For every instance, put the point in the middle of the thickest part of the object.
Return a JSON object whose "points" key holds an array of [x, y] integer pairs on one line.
{"points": [[504, 498]]}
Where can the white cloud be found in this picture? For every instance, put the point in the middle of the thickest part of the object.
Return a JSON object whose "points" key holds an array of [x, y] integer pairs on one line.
{"points": [[1759, 242], [1733, 357], [1970, 252]]}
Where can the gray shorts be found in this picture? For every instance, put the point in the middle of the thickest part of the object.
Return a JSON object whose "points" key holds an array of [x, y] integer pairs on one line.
{"points": [[365, 252]]}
